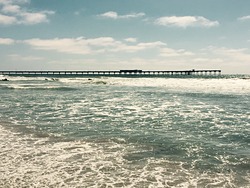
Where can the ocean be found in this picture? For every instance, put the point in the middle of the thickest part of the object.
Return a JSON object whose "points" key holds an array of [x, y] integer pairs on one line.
{"points": [[133, 132]]}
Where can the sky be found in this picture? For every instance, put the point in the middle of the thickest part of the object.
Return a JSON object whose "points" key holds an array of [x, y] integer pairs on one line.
{"points": [[125, 34]]}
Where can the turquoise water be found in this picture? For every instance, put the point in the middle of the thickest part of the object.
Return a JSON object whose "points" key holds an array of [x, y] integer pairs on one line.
{"points": [[125, 132]]}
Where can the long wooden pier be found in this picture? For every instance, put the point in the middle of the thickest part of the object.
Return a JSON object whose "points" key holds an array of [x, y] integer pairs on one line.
{"points": [[112, 73]]}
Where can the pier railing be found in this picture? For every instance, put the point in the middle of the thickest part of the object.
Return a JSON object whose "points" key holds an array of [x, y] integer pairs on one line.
{"points": [[112, 73]]}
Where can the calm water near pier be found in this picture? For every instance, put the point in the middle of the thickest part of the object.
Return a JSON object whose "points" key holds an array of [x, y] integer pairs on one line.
{"points": [[125, 132]]}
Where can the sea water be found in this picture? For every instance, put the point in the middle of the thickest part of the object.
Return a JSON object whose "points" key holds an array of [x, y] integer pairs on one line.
{"points": [[125, 132]]}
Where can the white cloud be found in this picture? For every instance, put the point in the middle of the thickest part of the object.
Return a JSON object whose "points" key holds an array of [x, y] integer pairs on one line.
{"points": [[17, 57], [85, 46], [122, 47], [115, 15], [169, 52], [110, 14], [186, 21], [14, 1], [4, 2], [14, 12], [130, 40], [156, 44], [11, 9], [231, 54], [101, 42], [208, 60], [6, 41], [7, 20], [244, 18], [34, 18], [65, 45]]}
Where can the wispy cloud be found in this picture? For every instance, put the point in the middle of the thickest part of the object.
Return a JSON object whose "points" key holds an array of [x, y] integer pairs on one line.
{"points": [[244, 18], [7, 20], [65, 45], [34, 17], [10, 8], [16, 1], [109, 46], [6, 41], [17, 57], [115, 15], [169, 52], [84, 46], [231, 54], [130, 40], [185, 21], [207, 60], [14, 12]]}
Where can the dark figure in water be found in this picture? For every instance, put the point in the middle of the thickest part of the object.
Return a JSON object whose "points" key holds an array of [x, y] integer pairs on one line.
{"points": [[5, 79]]}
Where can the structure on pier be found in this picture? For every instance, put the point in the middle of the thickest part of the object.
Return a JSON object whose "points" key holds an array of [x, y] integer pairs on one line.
{"points": [[112, 73], [131, 71]]}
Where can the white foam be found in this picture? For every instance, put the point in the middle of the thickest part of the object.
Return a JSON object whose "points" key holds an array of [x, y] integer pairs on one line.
{"points": [[22, 78], [41, 162], [211, 85], [215, 85]]}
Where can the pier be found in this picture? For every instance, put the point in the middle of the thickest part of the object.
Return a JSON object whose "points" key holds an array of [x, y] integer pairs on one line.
{"points": [[112, 73]]}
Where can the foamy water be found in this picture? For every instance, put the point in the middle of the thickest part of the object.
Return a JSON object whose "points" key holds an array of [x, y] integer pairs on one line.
{"points": [[125, 132]]}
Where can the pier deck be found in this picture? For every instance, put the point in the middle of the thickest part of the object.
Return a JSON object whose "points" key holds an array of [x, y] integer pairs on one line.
{"points": [[112, 73]]}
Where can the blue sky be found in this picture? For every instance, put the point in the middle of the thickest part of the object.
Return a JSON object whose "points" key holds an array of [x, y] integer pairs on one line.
{"points": [[125, 34]]}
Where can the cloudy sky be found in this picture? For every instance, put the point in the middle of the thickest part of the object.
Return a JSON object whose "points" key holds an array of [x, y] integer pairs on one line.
{"points": [[125, 34]]}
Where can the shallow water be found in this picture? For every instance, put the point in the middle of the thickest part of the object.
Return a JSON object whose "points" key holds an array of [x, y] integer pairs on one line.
{"points": [[125, 132]]}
